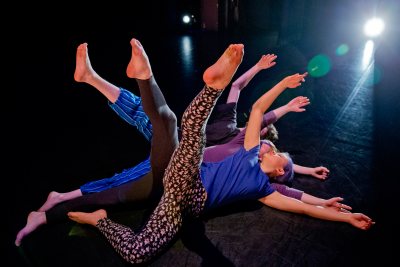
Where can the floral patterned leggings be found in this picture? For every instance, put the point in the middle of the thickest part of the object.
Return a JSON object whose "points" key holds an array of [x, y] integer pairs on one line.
{"points": [[183, 195]]}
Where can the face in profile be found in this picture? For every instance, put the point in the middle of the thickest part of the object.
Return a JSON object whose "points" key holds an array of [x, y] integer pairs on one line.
{"points": [[272, 160]]}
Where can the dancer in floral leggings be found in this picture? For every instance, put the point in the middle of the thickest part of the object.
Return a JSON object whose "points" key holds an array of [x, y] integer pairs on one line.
{"points": [[184, 193]]}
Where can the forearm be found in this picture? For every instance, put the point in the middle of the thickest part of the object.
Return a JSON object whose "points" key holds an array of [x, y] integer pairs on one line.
{"points": [[312, 200], [246, 77], [281, 111], [266, 100], [326, 213], [302, 169], [240, 83]]}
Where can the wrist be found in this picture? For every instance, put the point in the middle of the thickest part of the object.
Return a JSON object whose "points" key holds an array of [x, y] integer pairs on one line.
{"points": [[282, 85], [257, 67], [287, 108], [347, 216]]}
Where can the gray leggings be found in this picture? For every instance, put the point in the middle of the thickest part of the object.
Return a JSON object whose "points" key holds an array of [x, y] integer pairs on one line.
{"points": [[149, 188]]}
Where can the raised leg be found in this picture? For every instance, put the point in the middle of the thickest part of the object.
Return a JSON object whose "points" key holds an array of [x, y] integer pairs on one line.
{"points": [[85, 73], [163, 120]]}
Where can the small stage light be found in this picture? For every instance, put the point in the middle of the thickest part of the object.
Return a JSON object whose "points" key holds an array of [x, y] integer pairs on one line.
{"points": [[186, 19]]}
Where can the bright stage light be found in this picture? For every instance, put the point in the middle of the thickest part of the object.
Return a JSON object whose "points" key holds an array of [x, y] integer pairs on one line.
{"points": [[374, 27]]}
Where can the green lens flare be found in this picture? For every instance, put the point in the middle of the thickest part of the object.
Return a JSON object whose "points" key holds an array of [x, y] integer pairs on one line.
{"points": [[342, 49], [319, 66]]}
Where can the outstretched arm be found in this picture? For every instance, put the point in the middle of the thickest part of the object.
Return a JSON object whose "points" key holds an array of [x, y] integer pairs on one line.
{"points": [[297, 104], [252, 137], [280, 202], [320, 172], [266, 61], [333, 203]]}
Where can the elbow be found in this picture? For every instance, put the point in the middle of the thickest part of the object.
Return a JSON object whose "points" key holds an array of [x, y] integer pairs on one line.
{"points": [[256, 108], [236, 85], [256, 111]]}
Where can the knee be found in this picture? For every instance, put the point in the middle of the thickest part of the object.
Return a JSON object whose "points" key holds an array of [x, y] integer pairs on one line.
{"points": [[139, 258], [169, 118]]}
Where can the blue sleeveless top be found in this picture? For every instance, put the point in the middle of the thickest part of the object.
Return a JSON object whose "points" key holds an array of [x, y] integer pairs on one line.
{"points": [[237, 177]]}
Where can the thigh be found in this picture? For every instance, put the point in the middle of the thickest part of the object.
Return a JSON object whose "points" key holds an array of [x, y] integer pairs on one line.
{"points": [[140, 191], [164, 122]]}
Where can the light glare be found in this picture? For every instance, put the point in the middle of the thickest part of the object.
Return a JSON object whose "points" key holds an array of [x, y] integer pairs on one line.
{"points": [[374, 27]]}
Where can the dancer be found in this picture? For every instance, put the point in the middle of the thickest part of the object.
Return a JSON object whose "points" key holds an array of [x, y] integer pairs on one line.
{"points": [[189, 192]]}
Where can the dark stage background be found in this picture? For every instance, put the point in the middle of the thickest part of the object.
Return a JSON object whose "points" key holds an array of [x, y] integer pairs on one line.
{"points": [[59, 134]]}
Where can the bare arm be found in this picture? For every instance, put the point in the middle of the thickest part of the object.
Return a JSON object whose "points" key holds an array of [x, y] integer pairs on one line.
{"points": [[280, 202], [333, 203], [266, 62], [252, 137], [297, 104], [320, 172]]}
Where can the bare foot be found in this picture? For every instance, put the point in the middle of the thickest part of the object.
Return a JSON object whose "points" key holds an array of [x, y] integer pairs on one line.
{"points": [[219, 75], [88, 218], [83, 69], [52, 199], [35, 219], [139, 65]]}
